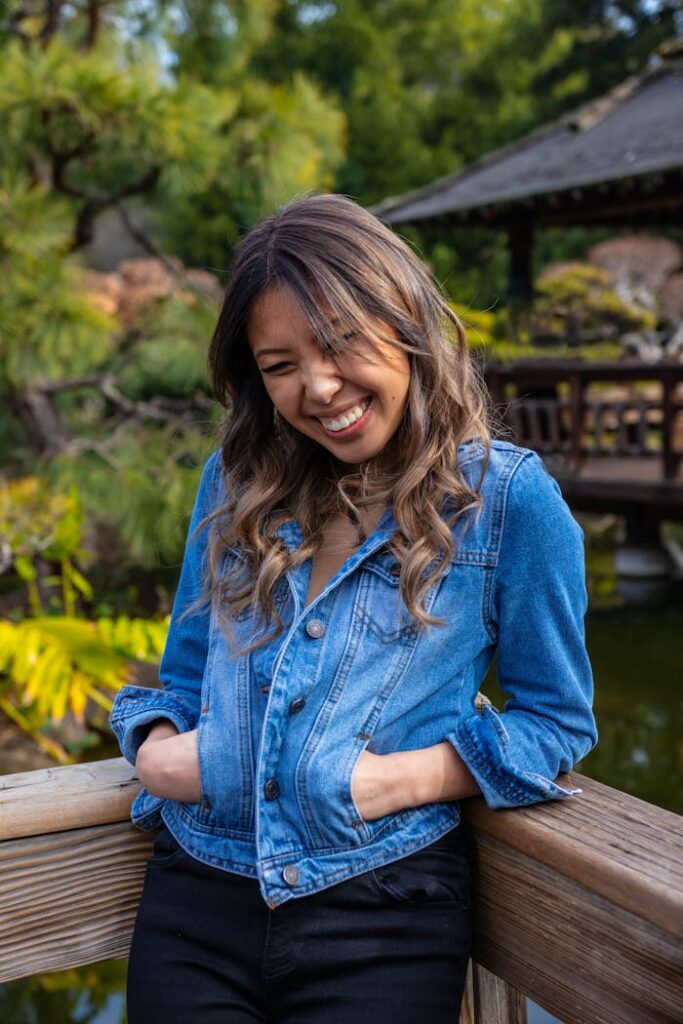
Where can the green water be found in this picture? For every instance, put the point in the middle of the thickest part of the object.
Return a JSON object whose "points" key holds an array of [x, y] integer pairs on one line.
{"points": [[637, 657]]}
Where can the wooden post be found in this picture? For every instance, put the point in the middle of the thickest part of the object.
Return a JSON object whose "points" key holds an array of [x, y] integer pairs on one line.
{"points": [[490, 1000], [520, 282], [496, 388], [576, 410], [669, 455]]}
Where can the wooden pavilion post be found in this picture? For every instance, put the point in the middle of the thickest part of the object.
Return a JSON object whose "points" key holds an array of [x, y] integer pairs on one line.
{"points": [[520, 282], [670, 456]]}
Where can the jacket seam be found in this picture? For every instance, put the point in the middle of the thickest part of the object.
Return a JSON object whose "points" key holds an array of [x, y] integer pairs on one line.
{"points": [[498, 523]]}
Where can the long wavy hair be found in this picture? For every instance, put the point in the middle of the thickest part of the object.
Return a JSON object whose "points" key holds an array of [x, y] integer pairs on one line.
{"points": [[341, 264]]}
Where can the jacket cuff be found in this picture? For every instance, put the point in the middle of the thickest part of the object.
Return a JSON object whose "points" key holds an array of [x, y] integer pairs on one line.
{"points": [[482, 742], [136, 707], [145, 811]]}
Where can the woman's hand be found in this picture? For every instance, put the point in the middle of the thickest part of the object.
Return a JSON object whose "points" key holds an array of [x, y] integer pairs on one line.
{"points": [[384, 783], [168, 764]]}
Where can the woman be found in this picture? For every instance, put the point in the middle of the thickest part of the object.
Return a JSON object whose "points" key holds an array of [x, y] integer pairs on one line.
{"points": [[359, 550]]}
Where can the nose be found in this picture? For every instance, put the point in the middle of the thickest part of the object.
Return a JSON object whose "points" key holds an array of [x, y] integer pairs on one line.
{"points": [[322, 380]]}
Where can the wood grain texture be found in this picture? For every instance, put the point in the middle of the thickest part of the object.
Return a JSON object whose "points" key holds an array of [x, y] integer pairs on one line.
{"points": [[576, 954], [57, 799], [490, 1000], [69, 898], [620, 848], [467, 1012]]}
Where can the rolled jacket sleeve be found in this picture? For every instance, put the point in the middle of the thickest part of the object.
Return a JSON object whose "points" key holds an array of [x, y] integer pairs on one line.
{"points": [[181, 670], [536, 609]]}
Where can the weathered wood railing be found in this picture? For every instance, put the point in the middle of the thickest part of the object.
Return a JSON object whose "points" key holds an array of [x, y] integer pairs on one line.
{"points": [[579, 903], [550, 407]]}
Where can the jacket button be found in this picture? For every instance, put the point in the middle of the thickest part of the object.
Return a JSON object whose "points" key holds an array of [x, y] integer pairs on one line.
{"points": [[297, 705], [291, 874], [315, 629], [271, 790]]}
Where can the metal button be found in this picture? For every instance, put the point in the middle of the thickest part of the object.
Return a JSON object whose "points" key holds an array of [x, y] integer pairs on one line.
{"points": [[291, 874], [271, 790], [297, 705], [315, 628]]}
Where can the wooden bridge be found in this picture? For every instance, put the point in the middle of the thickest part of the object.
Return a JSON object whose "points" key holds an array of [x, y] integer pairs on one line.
{"points": [[579, 903], [611, 433]]}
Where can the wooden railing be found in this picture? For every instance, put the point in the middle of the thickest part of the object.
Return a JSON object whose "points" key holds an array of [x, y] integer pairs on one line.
{"points": [[579, 903], [550, 407]]}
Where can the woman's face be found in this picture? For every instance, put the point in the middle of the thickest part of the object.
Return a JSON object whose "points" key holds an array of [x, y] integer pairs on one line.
{"points": [[350, 402]]}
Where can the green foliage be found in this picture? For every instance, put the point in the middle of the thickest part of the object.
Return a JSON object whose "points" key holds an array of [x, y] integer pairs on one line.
{"points": [[53, 665], [164, 366], [35, 522], [213, 40], [283, 140], [578, 303], [37, 525], [146, 497], [427, 89], [170, 358], [49, 326], [506, 351], [81, 995], [102, 120], [479, 324], [576, 311]]}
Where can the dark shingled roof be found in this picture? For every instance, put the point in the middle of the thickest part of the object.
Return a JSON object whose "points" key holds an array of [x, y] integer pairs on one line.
{"points": [[628, 143]]}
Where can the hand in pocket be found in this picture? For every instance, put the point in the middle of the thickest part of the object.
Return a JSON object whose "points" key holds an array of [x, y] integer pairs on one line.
{"points": [[169, 768], [375, 786]]}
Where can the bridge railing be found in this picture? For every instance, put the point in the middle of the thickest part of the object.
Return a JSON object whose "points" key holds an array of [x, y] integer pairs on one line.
{"points": [[579, 903], [551, 406]]}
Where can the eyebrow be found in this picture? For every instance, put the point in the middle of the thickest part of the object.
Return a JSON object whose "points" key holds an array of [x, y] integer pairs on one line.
{"points": [[269, 352]]}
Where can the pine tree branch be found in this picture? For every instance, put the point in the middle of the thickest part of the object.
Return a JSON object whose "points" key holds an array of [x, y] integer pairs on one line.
{"points": [[14, 24], [94, 10], [51, 26], [95, 204], [179, 411], [53, 387], [140, 236]]}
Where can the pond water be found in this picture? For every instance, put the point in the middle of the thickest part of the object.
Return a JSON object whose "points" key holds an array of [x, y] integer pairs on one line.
{"points": [[637, 657]]}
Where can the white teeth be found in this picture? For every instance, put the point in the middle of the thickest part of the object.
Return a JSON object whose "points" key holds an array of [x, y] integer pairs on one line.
{"points": [[349, 417]]}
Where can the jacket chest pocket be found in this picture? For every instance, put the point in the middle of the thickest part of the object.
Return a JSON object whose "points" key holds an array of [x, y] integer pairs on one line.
{"points": [[381, 613]]}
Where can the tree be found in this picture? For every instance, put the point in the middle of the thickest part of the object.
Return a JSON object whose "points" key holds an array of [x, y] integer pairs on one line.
{"points": [[102, 106], [429, 87]]}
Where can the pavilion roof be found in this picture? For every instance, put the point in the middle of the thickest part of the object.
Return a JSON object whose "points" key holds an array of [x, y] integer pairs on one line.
{"points": [[618, 157]]}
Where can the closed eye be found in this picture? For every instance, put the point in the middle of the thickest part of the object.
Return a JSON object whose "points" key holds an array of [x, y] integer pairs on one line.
{"points": [[331, 348], [275, 367]]}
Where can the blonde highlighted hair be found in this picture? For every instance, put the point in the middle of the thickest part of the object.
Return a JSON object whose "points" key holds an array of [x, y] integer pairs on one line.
{"points": [[341, 264]]}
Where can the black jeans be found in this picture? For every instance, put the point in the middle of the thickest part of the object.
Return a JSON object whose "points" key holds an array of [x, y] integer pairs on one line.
{"points": [[387, 947]]}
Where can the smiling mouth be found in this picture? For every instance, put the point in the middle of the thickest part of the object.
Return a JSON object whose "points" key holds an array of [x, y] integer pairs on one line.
{"points": [[351, 418]]}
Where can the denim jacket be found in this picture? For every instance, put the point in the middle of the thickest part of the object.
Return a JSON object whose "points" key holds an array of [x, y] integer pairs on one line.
{"points": [[353, 671]]}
